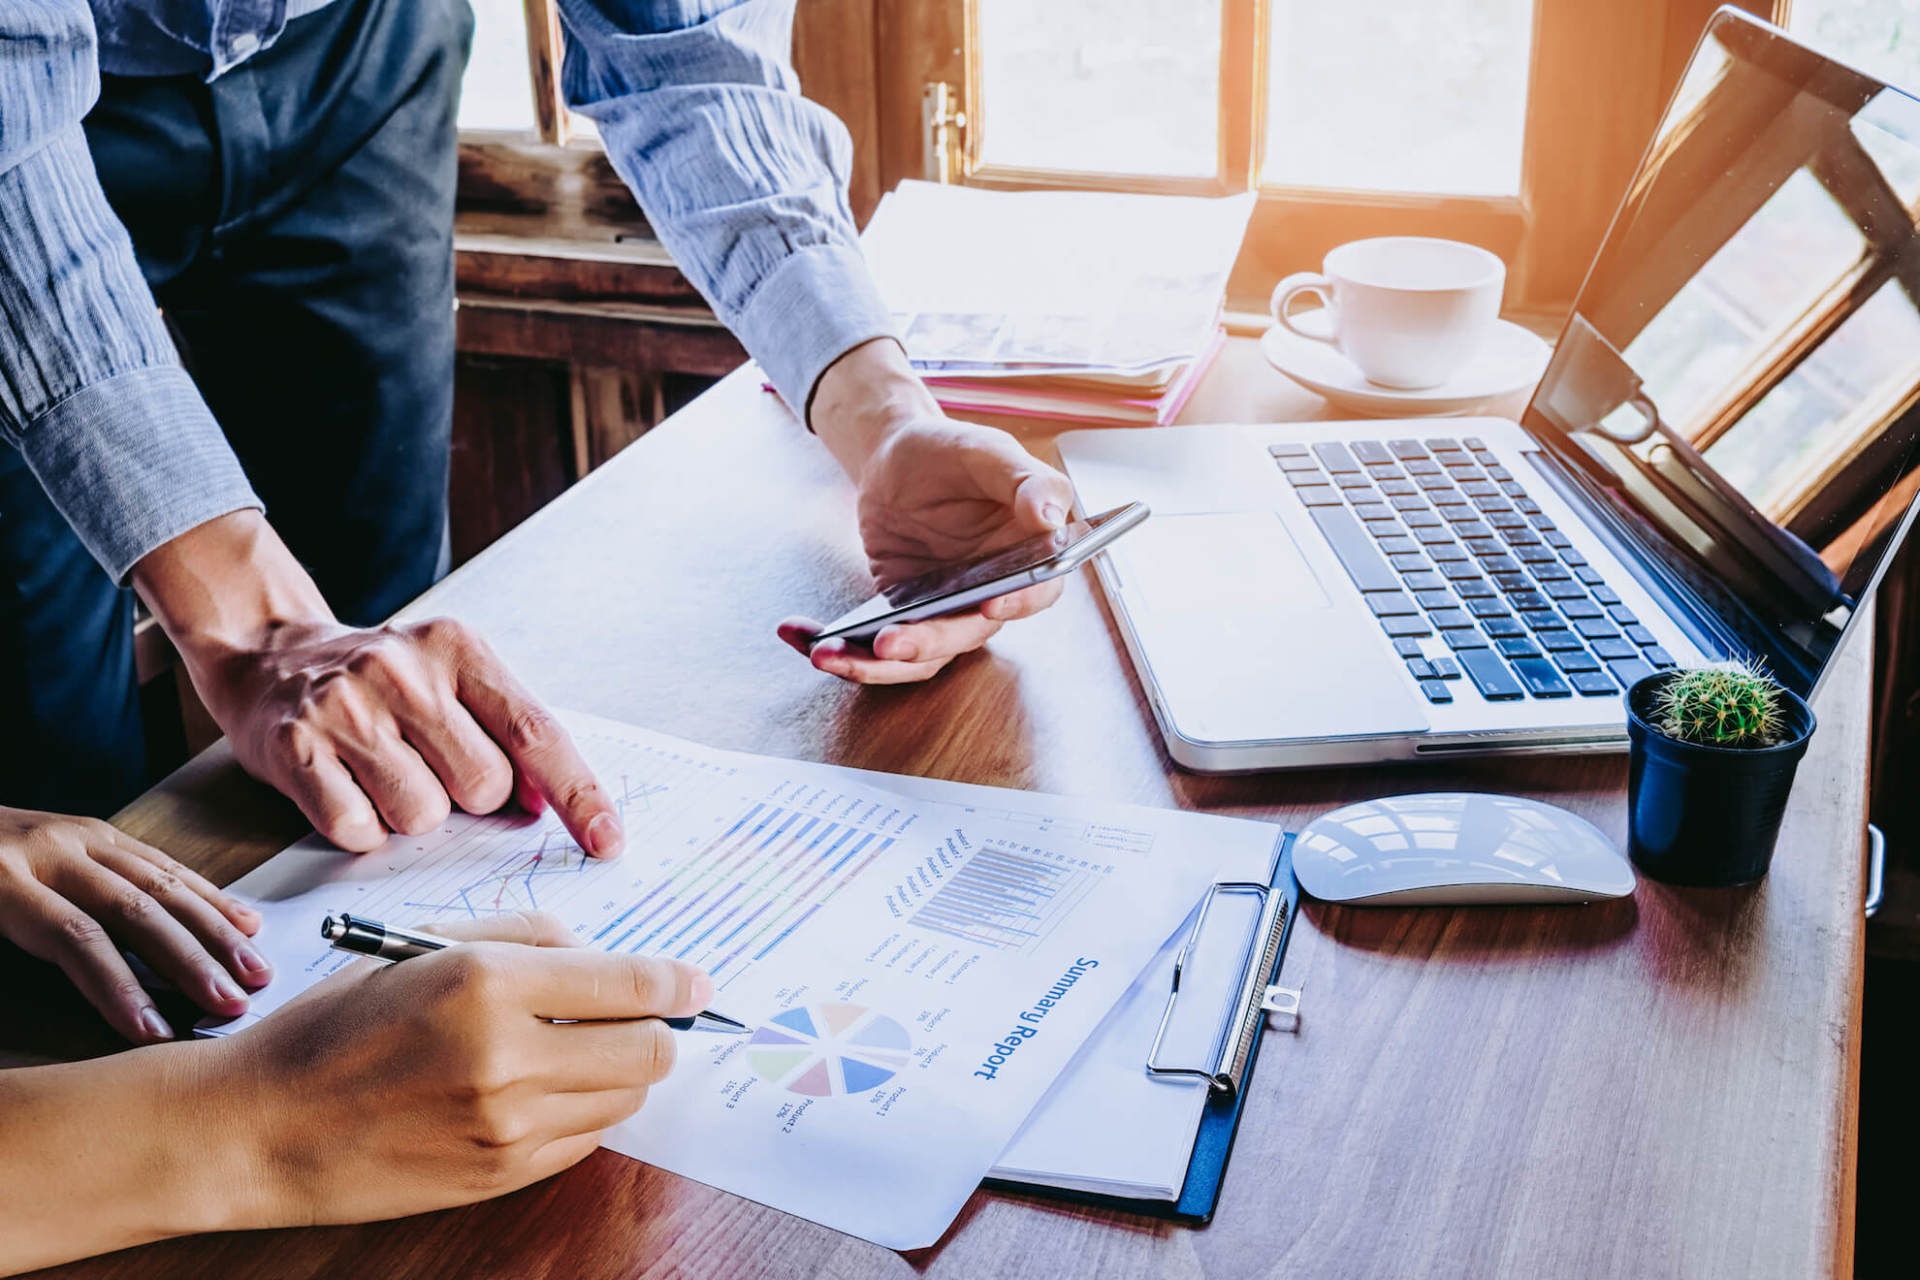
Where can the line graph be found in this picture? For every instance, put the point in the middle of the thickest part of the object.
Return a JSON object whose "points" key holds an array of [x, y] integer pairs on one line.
{"points": [[521, 881], [515, 883], [636, 797]]}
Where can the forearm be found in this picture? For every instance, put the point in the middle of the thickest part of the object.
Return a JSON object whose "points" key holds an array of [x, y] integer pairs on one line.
{"points": [[743, 179], [118, 1151], [225, 587], [91, 391]]}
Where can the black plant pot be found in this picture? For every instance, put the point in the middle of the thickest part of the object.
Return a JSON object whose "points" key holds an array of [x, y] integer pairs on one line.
{"points": [[1706, 815]]}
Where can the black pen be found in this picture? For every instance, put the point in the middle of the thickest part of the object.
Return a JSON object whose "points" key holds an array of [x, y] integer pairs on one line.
{"points": [[386, 942]]}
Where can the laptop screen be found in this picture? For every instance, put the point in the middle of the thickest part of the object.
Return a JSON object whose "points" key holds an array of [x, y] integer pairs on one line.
{"points": [[1739, 383]]}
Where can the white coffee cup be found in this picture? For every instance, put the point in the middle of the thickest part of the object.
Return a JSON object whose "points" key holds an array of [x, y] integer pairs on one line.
{"points": [[1408, 311]]}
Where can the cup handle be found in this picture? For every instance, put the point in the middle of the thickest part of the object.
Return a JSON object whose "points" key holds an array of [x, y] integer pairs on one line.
{"points": [[1294, 286]]}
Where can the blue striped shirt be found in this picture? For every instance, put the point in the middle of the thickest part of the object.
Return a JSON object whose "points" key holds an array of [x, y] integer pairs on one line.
{"points": [[744, 180]]}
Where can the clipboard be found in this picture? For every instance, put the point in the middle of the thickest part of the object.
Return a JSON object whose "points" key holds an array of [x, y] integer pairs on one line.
{"points": [[1228, 1068]]}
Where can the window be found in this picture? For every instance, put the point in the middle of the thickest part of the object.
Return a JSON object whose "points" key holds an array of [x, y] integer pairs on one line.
{"points": [[497, 92], [529, 160], [1511, 123], [1113, 86], [1514, 124], [1379, 95]]}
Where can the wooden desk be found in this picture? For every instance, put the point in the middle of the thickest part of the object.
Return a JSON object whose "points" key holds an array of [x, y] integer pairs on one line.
{"points": [[1660, 1087]]}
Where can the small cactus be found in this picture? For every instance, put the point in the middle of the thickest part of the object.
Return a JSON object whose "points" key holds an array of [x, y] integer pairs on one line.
{"points": [[1737, 705]]}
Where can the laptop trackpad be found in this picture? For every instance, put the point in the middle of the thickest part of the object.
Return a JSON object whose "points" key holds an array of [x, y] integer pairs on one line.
{"points": [[1242, 636], [1243, 560]]}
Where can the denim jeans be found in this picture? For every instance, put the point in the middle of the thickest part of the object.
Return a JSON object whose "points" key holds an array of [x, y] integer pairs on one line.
{"points": [[294, 219]]}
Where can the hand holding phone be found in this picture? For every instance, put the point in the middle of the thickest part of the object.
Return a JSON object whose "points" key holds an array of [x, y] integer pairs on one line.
{"points": [[960, 588]]}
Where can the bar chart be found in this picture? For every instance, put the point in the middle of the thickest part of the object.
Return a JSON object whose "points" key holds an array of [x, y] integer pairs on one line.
{"points": [[1008, 897], [737, 897]]}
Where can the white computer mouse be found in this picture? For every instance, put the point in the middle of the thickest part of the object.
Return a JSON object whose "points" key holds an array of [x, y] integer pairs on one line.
{"points": [[1454, 848]]}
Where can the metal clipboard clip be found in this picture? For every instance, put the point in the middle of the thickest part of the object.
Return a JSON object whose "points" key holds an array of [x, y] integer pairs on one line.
{"points": [[1254, 998]]}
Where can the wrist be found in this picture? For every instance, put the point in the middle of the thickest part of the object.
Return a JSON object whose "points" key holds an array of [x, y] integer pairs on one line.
{"points": [[863, 398], [168, 1151], [227, 586], [214, 1155]]}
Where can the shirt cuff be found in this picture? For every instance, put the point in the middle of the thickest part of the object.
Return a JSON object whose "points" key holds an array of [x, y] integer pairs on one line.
{"points": [[134, 461], [814, 308]]}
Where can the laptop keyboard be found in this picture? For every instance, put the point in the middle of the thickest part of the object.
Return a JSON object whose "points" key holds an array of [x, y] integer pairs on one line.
{"points": [[1466, 574]]}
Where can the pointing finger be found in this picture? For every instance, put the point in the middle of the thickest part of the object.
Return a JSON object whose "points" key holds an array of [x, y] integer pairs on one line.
{"points": [[544, 757]]}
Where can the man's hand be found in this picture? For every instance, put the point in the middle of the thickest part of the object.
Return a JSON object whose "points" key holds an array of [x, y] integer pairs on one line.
{"points": [[76, 892], [933, 492], [367, 730]]}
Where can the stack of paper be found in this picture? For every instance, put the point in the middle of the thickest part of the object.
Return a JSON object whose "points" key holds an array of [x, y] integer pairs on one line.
{"points": [[1088, 305]]}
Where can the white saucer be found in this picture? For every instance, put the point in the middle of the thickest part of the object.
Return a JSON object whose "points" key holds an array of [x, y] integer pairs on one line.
{"points": [[1510, 360]]}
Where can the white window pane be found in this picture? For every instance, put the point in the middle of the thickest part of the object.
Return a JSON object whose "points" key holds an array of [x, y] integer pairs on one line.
{"points": [[1106, 86], [1386, 95], [497, 92], [1878, 36]]}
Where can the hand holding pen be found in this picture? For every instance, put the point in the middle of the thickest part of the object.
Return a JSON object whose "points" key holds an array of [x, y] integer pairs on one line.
{"points": [[457, 1075], [379, 941]]}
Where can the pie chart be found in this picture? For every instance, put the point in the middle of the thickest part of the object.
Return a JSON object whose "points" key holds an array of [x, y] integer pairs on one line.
{"points": [[823, 1050]]}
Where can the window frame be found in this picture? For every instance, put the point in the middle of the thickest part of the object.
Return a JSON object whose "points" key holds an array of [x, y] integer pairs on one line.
{"points": [[553, 258], [1627, 52], [534, 172], [870, 61]]}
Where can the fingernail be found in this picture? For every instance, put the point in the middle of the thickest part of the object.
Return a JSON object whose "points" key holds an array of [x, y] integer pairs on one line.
{"points": [[226, 991], [1054, 514], [603, 836], [154, 1025], [701, 989], [252, 961]]}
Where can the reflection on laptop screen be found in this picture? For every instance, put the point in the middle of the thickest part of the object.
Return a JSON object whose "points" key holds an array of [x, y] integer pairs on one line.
{"points": [[1740, 379]]}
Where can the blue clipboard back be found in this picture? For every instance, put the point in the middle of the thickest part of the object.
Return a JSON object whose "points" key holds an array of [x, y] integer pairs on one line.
{"points": [[1228, 1080], [1206, 1172]]}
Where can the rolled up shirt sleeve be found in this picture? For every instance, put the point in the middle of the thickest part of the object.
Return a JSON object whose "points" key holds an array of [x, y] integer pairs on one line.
{"points": [[91, 389], [744, 180]]}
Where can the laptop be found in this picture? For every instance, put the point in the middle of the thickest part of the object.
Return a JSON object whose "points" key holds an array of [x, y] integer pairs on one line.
{"points": [[1719, 462]]}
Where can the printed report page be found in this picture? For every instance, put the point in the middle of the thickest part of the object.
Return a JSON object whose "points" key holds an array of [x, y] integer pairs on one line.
{"points": [[916, 971]]}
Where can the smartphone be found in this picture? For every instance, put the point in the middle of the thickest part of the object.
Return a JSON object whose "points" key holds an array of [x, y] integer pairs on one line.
{"points": [[955, 588]]}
